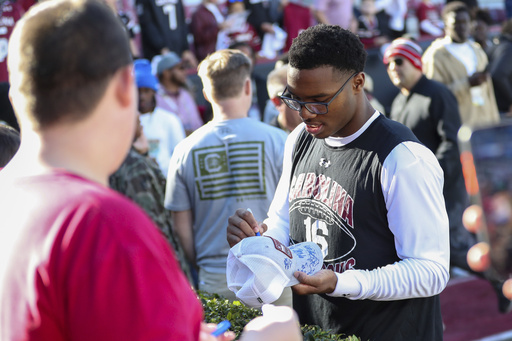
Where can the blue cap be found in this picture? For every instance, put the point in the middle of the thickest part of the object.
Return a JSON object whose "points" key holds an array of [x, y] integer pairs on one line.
{"points": [[143, 75]]}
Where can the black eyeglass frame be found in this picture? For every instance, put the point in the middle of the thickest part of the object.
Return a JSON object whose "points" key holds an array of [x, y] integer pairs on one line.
{"points": [[288, 100]]}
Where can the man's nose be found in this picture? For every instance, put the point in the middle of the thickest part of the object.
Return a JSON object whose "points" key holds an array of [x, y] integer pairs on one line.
{"points": [[305, 113]]}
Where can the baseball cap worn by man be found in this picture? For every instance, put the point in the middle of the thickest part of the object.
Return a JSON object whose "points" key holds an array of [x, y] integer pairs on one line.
{"points": [[404, 48], [143, 75], [259, 268], [167, 61]]}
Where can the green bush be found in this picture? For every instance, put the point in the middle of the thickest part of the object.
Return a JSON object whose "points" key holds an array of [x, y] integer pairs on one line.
{"points": [[218, 309]]}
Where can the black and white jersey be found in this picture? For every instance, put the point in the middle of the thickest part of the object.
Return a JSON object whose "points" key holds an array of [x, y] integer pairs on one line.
{"points": [[336, 200]]}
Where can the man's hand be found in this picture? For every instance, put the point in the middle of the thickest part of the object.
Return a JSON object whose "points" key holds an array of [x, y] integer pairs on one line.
{"points": [[477, 78], [277, 323], [267, 27], [242, 225], [323, 282], [206, 333]]}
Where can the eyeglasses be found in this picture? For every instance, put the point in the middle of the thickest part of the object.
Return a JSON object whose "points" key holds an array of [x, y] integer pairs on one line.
{"points": [[397, 61], [317, 108]]}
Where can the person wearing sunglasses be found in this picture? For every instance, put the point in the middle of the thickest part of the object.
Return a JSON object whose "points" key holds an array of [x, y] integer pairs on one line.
{"points": [[366, 191], [431, 111]]}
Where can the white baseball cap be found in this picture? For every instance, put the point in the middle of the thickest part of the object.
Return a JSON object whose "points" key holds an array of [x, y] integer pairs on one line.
{"points": [[259, 268]]}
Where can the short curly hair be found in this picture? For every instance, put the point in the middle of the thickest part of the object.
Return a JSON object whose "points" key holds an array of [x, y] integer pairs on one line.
{"points": [[327, 45]]}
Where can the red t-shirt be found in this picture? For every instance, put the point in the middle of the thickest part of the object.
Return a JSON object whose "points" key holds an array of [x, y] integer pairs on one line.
{"points": [[81, 262]]}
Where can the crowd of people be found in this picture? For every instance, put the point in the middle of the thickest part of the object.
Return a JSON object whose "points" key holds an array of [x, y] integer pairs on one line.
{"points": [[303, 153]]}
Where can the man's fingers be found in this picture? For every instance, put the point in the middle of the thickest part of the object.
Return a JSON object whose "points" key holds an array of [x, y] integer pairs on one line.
{"points": [[322, 282], [240, 225]]}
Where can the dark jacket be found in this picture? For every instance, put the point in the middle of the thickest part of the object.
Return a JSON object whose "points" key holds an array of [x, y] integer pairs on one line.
{"points": [[500, 68], [162, 24], [431, 112]]}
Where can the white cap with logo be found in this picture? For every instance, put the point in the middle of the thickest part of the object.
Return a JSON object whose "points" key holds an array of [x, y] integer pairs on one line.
{"points": [[259, 268]]}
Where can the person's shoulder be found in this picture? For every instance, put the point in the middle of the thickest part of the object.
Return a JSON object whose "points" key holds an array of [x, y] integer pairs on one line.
{"points": [[105, 202], [136, 168], [433, 88], [199, 138], [267, 132], [390, 132], [269, 128], [476, 46], [77, 195], [441, 92], [410, 154], [105, 211], [439, 44]]}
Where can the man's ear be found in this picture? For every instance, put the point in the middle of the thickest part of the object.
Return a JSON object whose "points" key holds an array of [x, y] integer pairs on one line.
{"points": [[125, 88], [206, 97], [248, 87], [358, 82]]}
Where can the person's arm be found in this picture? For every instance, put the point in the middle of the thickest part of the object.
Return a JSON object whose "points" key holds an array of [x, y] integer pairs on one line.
{"points": [[277, 323], [242, 224], [501, 73], [182, 222], [175, 131], [412, 184], [444, 109], [427, 26], [178, 201]]}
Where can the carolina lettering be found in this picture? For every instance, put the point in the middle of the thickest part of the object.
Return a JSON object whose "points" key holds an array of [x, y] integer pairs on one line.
{"points": [[325, 190]]}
